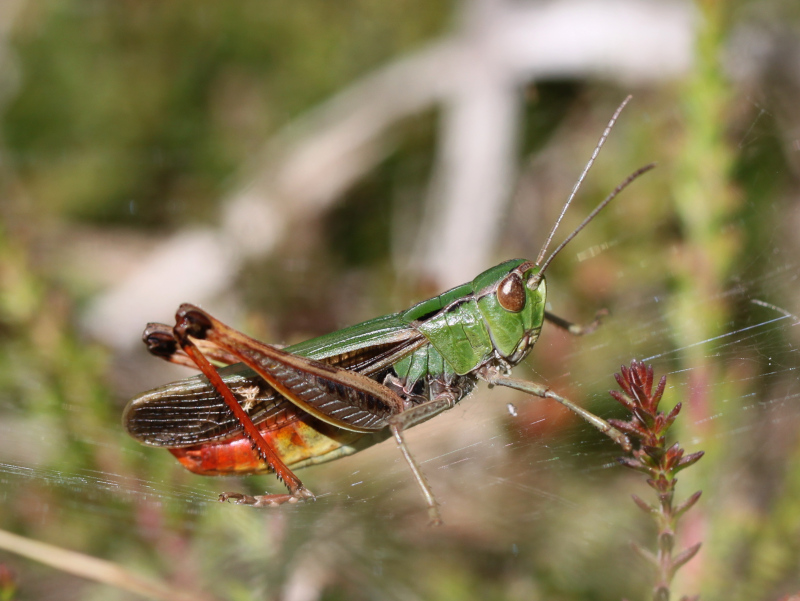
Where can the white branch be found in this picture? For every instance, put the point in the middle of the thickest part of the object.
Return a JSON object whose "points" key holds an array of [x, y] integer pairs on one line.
{"points": [[475, 74]]}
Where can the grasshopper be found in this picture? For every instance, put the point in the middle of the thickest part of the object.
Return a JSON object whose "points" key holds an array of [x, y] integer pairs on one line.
{"points": [[261, 408]]}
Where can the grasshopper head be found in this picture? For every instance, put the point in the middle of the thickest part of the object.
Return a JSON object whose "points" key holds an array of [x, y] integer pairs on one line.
{"points": [[512, 308]]}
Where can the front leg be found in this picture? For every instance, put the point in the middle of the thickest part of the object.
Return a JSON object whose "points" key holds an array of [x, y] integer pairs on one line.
{"points": [[574, 328], [494, 377]]}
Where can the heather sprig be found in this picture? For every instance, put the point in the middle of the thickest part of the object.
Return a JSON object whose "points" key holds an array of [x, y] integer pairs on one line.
{"points": [[8, 583], [651, 456]]}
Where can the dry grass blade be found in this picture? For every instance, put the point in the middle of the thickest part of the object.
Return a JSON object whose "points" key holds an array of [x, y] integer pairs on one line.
{"points": [[93, 568]]}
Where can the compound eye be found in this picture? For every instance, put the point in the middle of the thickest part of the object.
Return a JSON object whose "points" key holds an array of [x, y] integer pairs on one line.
{"points": [[511, 293]]}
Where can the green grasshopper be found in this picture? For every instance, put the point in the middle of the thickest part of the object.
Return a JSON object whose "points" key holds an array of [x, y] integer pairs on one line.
{"points": [[267, 408]]}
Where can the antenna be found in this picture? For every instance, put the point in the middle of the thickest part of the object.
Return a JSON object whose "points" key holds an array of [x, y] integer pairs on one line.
{"points": [[592, 215], [581, 178]]}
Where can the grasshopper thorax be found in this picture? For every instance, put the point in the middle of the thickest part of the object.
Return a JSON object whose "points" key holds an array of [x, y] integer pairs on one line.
{"points": [[495, 316]]}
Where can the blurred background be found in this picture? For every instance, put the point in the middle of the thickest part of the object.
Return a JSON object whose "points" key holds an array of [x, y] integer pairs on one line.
{"points": [[299, 167]]}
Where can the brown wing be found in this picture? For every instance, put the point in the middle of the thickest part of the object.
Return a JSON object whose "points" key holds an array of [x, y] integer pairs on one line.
{"points": [[191, 412], [342, 398]]}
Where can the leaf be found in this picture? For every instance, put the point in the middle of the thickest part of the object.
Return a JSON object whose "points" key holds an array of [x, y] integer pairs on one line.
{"points": [[644, 505], [683, 557], [623, 399], [648, 556], [635, 465], [687, 504], [688, 460]]}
